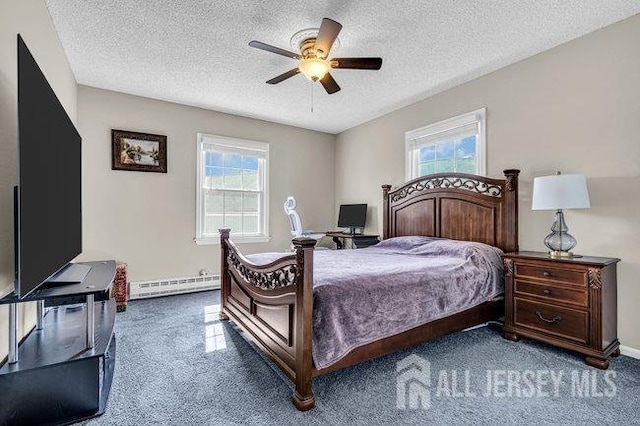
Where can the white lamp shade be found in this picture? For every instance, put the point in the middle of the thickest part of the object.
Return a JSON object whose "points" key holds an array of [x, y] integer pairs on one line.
{"points": [[558, 192]]}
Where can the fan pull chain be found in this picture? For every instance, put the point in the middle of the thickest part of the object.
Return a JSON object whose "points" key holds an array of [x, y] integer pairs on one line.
{"points": [[312, 97]]}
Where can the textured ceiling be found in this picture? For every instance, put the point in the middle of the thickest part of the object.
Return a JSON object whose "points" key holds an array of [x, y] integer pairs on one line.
{"points": [[196, 52]]}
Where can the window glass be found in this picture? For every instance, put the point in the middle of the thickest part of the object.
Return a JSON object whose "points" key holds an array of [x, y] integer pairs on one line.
{"points": [[232, 187], [453, 145]]}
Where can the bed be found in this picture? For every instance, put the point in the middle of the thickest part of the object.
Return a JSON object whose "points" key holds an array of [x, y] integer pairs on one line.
{"points": [[273, 302]]}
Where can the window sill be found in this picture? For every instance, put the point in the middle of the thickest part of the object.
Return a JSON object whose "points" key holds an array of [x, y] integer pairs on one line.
{"points": [[235, 239]]}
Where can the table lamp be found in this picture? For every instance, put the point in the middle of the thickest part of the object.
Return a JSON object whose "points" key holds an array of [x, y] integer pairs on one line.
{"points": [[558, 192]]}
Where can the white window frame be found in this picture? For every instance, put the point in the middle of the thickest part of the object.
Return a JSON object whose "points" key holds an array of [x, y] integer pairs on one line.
{"points": [[229, 144], [446, 127]]}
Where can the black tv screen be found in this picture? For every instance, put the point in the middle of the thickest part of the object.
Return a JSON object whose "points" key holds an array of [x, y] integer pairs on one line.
{"points": [[352, 216], [48, 204]]}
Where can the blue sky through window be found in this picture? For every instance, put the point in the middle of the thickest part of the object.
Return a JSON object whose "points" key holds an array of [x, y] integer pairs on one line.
{"points": [[449, 156], [466, 147], [221, 164]]}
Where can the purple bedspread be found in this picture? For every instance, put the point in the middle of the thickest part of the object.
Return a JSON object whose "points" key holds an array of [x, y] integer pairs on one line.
{"points": [[360, 296]]}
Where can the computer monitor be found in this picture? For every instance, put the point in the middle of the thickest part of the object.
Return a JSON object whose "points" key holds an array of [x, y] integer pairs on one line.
{"points": [[352, 216]]}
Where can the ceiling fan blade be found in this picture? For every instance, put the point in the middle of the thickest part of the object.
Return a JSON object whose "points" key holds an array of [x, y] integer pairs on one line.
{"points": [[357, 63], [329, 30], [277, 50], [329, 84], [283, 77]]}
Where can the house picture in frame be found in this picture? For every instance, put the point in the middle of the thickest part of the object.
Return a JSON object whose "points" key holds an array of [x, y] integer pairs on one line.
{"points": [[141, 152]]}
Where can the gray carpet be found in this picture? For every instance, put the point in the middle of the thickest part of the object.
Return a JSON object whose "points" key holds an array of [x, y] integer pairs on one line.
{"points": [[167, 372]]}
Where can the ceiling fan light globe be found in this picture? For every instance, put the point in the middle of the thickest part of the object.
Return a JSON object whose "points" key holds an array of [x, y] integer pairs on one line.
{"points": [[314, 68]]}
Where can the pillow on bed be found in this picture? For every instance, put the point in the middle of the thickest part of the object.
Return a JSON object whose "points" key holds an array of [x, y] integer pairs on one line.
{"points": [[405, 243], [436, 246], [444, 247]]}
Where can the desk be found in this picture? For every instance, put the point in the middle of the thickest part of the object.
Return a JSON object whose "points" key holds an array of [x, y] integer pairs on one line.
{"points": [[355, 240]]}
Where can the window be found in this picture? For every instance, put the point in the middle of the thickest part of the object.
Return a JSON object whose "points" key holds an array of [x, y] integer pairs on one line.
{"points": [[232, 189], [453, 145]]}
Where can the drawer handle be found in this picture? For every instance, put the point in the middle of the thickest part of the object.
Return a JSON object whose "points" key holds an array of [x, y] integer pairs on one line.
{"points": [[546, 291], [546, 274], [557, 318]]}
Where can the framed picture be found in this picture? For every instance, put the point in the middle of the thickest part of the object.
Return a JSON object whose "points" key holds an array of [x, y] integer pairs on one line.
{"points": [[141, 152]]}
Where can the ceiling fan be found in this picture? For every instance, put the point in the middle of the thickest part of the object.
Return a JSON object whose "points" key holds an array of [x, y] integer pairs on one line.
{"points": [[314, 50]]}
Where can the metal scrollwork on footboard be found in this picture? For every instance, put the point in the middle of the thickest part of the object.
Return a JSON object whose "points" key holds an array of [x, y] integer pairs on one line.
{"points": [[452, 182], [267, 280]]}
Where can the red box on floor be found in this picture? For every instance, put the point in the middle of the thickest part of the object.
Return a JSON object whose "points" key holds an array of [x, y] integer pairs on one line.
{"points": [[120, 289]]}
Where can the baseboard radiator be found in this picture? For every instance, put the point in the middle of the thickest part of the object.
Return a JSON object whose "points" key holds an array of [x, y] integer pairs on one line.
{"points": [[169, 286]]}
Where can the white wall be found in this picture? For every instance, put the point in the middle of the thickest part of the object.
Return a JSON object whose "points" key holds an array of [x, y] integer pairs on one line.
{"points": [[31, 19], [148, 219], [575, 108]]}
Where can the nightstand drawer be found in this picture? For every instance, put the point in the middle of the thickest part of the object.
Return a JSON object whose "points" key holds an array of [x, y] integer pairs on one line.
{"points": [[564, 322], [564, 275], [551, 292]]}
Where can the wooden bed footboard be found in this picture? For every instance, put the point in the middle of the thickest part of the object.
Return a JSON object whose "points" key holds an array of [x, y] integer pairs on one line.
{"points": [[274, 304]]}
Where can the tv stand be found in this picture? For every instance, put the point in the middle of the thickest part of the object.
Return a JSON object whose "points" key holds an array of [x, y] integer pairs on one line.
{"points": [[62, 370], [71, 273]]}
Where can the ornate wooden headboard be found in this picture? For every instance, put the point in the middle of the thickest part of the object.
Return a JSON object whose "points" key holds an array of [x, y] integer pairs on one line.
{"points": [[457, 206]]}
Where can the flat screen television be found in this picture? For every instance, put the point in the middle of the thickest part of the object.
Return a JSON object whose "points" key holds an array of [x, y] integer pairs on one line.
{"points": [[48, 199], [352, 216]]}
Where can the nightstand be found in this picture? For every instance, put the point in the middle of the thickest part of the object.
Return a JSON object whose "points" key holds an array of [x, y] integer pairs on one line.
{"points": [[566, 302]]}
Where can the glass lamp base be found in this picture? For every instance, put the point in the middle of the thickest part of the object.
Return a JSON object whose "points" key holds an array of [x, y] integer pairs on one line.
{"points": [[558, 253], [559, 241]]}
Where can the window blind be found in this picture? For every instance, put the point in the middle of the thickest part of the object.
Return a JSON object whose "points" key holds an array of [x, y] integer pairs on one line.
{"points": [[469, 129]]}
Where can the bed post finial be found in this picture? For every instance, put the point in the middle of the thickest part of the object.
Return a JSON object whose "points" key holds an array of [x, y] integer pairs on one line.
{"points": [[303, 397], [386, 228], [512, 179], [511, 198], [225, 284]]}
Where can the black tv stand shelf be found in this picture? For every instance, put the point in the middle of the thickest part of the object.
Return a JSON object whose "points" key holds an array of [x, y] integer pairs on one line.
{"points": [[97, 281], [63, 368]]}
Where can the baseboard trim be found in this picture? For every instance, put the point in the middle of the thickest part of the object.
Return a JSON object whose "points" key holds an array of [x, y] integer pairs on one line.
{"points": [[170, 286], [632, 352]]}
